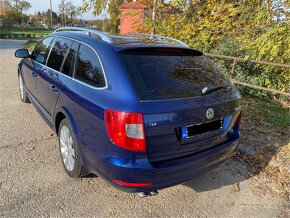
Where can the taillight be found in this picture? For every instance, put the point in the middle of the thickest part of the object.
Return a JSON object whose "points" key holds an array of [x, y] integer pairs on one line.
{"points": [[239, 119], [126, 129]]}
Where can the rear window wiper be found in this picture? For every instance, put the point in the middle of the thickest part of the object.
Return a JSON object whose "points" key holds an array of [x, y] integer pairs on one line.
{"points": [[206, 90]]}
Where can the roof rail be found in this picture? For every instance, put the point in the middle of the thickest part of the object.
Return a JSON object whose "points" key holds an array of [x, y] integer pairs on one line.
{"points": [[159, 38], [88, 31]]}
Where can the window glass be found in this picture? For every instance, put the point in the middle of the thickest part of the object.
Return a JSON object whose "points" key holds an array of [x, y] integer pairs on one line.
{"points": [[68, 65], [157, 77], [40, 52], [89, 68], [58, 53]]}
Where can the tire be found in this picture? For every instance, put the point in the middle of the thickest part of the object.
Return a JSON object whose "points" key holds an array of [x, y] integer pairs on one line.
{"points": [[69, 151], [22, 91]]}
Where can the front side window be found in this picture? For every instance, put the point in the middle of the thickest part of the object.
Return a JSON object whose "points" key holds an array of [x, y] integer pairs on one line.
{"points": [[40, 52], [88, 68], [58, 53]]}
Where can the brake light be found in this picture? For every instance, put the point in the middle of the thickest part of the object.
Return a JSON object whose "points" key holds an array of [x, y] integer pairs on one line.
{"points": [[130, 184], [126, 129], [169, 50], [239, 119]]}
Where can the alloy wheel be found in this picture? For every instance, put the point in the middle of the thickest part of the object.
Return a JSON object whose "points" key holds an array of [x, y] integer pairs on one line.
{"points": [[66, 148], [21, 88]]}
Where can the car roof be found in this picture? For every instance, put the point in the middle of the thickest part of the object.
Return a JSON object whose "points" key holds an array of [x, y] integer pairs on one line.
{"points": [[124, 42]]}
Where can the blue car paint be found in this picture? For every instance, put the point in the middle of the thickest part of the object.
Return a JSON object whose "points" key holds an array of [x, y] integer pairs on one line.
{"points": [[183, 112], [49, 86], [84, 107], [28, 79]]}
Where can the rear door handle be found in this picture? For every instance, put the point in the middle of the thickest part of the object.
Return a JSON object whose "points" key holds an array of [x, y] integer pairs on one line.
{"points": [[34, 74], [53, 88]]}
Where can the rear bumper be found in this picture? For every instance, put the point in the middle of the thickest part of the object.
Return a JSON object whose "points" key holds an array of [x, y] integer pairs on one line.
{"points": [[139, 170]]}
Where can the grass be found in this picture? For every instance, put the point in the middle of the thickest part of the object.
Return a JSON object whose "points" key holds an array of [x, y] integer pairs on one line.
{"points": [[270, 112], [32, 31]]}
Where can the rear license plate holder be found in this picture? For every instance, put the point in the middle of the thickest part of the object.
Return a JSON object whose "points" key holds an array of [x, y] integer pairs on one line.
{"points": [[199, 129]]}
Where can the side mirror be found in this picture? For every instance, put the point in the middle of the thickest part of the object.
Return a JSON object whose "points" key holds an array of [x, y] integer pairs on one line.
{"points": [[22, 53]]}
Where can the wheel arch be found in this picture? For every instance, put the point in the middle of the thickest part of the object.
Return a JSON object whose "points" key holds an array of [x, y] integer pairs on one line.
{"points": [[62, 113]]}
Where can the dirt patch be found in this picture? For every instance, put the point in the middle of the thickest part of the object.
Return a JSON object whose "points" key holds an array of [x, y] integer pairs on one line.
{"points": [[265, 147]]}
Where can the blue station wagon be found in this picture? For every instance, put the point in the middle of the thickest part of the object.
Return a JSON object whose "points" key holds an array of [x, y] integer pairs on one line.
{"points": [[144, 112]]}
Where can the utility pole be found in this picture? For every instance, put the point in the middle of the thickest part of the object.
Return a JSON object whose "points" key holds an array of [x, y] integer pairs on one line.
{"points": [[153, 16], [51, 25]]}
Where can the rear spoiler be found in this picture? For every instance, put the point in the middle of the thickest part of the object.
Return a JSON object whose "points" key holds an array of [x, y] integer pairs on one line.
{"points": [[165, 51]]}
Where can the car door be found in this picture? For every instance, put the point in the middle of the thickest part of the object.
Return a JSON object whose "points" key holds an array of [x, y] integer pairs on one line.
{"points": [[35, 64], [56, 74]]}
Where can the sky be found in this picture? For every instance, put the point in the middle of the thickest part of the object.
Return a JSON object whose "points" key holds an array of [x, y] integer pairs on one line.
{"points": [[44, 5]]}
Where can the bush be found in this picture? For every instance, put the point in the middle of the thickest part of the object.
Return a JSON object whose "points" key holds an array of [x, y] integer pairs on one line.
{"points": [[30, 44], [258, 74]]}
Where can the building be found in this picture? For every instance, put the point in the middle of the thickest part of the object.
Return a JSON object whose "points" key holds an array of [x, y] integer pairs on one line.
{"points": [[132, 16]]}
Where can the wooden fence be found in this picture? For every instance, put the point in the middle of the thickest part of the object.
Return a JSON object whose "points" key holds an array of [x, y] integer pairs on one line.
{"points": [[236, 59]]}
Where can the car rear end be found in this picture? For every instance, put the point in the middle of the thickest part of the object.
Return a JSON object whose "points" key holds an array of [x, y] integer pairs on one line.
{"points": [[182, 131]]}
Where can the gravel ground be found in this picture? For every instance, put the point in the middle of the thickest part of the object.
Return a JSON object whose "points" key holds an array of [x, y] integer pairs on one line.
{"points": [[33, 182]]}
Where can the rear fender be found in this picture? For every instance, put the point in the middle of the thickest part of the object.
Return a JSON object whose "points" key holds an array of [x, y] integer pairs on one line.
{"points": [[73, 123], [69, 116]]}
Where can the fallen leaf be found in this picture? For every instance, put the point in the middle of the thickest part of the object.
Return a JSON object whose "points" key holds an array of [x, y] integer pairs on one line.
{"points": [[235, 187]]}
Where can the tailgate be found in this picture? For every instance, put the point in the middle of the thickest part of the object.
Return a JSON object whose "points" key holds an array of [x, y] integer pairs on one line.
{"points": [[180, 128]]}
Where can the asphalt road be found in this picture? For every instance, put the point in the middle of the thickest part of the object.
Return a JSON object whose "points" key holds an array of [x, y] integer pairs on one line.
{"points": [[33, 182]]}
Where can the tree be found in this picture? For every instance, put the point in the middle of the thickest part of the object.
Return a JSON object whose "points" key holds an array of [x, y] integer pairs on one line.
{"points": [[46, 17], [5, 8], [67, 8], [96, 5], [71, 10], [114, 12], [22, 6], [11, 12], [62, 9]]}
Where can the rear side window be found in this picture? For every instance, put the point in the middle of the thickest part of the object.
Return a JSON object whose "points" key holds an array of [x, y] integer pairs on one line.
{"points": [[58, 53], [88, 68], [40, 52], [68, 65], [169, 76]]}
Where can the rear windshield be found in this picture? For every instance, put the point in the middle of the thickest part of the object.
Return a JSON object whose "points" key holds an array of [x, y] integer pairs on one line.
{"points": [[159, 77]]}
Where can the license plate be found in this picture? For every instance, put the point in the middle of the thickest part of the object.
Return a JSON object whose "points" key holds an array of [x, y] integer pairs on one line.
{"points": [[192, 130]]}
